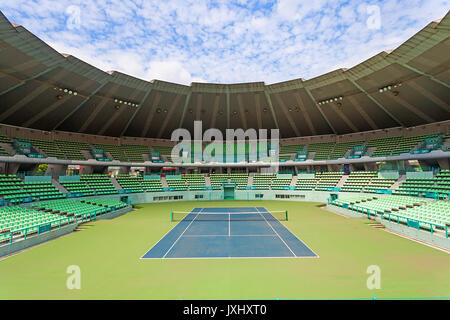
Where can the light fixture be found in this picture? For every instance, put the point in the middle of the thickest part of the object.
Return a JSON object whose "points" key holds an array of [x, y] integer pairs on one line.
{"points": [[127, 103], [331, 100], [389, 87], [66, 91]]}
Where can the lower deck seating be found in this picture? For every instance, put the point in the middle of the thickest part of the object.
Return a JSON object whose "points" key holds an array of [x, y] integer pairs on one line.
{"points": [[357, 180], [69, 207], [43, 190], [241, 180], [11, 188], [100, 183], [107, 203], [21, 221], [405, 207], [306, 183], [177, 184], [152, 185], [262, 181], [131, 183], [195, 181], [280, 183], [79, 187], [327, 180], [217, 180], [379, 184]]}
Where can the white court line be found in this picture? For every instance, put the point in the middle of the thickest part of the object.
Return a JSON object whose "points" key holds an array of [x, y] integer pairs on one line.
{"points": [[317, 256], [276, 232], [218, 258], [229, 257], [234, 235], [181, 234]]}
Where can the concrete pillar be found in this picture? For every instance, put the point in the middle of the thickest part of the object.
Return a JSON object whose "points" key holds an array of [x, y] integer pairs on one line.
{"points": [[124, 170], [370, 166], [444, 163], [56, 170], [86, 170]]}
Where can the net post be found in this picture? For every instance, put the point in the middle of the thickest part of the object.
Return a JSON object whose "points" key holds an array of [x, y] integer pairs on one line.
{"points": [[287, 217], [171, 216]]}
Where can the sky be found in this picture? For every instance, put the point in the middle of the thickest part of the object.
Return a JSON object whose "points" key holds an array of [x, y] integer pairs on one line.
{"points": [[230, 41]]}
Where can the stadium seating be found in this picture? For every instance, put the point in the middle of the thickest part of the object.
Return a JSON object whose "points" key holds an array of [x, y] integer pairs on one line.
{"points": [[306, 183], [403, 208], [152, 185], [72, 149], [78, 187], [379, 184], [442, 180], [217, 180], [327, 180], [262, 181], [134, 152], [322, 150], [280, 183], [50, 148], [357, 180], [340, 149], [177, 184], [194, 181], [42, 190], [107, 203], [164, 151], [241, 180], [114, 150], [11, 189], [292, 148], [383, 146], [69, 207], [131, 183], [21, 221], [406, 144], [4, 139], [100, 183]]}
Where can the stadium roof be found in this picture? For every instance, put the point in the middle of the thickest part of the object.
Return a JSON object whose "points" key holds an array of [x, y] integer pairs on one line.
{"points": [[407, 86]]}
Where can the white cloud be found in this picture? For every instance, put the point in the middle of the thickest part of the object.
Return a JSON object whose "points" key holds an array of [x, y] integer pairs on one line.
{"points": [[172, 71], [223, 41]]}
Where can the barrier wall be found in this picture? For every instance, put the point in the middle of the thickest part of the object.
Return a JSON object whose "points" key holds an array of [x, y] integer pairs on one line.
{"points": [[38, 179], [216, 195]]}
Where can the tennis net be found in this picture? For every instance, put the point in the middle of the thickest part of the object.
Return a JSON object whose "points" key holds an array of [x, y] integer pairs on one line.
{"points": [[229, 216]]}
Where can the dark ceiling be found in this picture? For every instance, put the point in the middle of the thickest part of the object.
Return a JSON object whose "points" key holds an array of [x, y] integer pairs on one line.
{"points": [[31, 74]]}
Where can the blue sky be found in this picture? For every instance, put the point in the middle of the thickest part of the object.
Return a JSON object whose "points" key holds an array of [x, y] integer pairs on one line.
{"points": [[186, 41]]}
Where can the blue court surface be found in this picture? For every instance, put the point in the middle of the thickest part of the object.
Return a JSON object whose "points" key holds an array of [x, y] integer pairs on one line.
{"points": [[246, 232]]}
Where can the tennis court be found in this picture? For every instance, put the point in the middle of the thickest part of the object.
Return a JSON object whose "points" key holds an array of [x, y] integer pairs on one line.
{"points": [[243, 232]]}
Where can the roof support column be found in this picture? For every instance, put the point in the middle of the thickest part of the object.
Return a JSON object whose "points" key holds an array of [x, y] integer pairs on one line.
{"points": [[269, 102], [26, 80], [228, 109], [186, 103], [376, 102], [135, 113], [320, 109], [80, 105], [429, 76]]}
